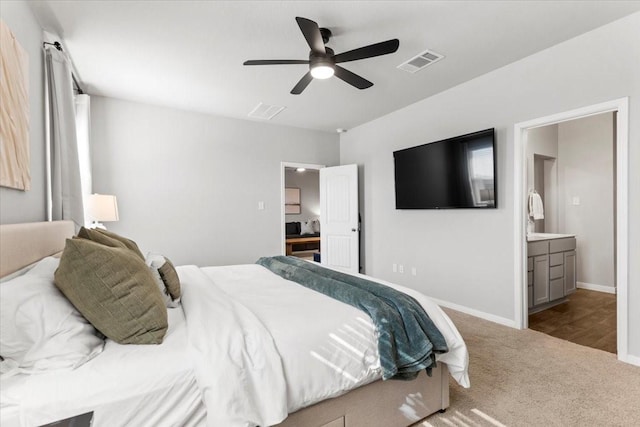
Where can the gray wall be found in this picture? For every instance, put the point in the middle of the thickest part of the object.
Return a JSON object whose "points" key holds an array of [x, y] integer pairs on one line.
{"points": [[585, 170], [466, 256], [15, 205], [188, 184], [309, 184], [543, 141]]}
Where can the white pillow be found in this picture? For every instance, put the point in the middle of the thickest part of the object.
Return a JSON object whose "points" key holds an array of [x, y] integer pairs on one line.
{"points": [[40, 329], [306, 227], [316, 225]]}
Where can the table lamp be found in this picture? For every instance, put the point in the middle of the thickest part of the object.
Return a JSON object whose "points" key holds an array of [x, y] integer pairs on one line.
{"points": [[102, 207]]}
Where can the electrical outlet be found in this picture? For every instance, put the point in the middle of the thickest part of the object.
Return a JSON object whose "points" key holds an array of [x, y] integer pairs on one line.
{"points": [[260, 206], [576, 201], [414, 272], [401, 268], [394, 267]]}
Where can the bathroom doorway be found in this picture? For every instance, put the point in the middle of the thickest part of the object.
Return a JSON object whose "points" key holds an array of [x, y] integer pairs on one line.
{"points": [[567, 203], [573, 173]]}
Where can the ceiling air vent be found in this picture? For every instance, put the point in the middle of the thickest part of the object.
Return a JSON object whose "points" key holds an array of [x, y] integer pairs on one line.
{"points": [[420, 61], [265, 112]]}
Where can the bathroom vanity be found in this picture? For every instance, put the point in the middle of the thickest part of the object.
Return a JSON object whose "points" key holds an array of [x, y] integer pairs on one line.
{"points": [[551, 269]]}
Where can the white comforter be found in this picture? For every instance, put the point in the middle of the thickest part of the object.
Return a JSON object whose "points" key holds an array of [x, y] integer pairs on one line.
{"points": [[264, 346], [126, 385]]}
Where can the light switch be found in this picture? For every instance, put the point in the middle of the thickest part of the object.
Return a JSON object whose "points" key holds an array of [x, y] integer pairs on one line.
{"points": [[260, 206], [575, 201]]}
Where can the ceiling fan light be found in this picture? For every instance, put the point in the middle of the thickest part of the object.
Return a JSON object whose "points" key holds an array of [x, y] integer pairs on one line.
{"points": [[322, 71]]}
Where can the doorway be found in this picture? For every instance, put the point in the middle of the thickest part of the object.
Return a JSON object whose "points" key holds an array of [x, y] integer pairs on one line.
{"points": [[300, 210], [339, 215], [573, 174], [521, 191]]}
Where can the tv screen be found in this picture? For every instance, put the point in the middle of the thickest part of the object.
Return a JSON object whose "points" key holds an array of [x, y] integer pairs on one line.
{"points": [[453, 173]]}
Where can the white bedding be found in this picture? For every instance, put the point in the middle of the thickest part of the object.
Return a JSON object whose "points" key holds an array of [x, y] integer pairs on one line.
{"points": [[322, 347], [126, 385], [254, 347]]}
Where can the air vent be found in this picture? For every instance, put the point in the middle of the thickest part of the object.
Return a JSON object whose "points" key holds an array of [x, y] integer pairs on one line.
{"points": [[420, 61], [265, 112]]}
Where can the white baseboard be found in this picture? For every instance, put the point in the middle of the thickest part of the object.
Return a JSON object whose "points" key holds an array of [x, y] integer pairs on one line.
{"points": [[594, 287], [627, 358], [477, 313]]}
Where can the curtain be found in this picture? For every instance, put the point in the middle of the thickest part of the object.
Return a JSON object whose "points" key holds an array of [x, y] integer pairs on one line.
{"points": [[83, 132], [65, 198]]}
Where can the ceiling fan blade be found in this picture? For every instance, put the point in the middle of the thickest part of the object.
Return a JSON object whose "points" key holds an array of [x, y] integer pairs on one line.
{"points": [[274, 61], [351, 78], [312, 34], [302, 84], [370, 51]]}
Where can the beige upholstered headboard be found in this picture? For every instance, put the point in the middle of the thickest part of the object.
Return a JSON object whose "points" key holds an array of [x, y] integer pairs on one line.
{"points": [[24, 244]]}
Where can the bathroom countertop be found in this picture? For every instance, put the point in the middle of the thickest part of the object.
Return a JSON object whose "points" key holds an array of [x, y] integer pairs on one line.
{"points": [[535, 237]]}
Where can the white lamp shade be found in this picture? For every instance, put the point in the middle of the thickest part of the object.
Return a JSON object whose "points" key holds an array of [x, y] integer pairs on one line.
{"points": [[103, 207]]}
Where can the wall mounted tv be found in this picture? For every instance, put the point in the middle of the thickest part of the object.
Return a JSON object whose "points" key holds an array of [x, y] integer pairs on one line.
{"points": [[453, 173]]}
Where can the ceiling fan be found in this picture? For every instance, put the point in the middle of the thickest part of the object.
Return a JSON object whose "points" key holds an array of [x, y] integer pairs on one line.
{"points": [[323, 61]]}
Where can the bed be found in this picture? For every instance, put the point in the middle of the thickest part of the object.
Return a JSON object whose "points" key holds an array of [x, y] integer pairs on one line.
{"points": [[185, 381]]}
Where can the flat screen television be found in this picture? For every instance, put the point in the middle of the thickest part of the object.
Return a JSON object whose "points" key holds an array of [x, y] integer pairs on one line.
{"points": [[453, 173]]}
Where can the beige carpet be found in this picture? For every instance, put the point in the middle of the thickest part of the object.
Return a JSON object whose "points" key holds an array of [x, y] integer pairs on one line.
{"points": [[526, 378]]}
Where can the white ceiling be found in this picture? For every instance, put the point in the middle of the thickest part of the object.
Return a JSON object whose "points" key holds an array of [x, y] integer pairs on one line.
{"points": [[189, 54]]}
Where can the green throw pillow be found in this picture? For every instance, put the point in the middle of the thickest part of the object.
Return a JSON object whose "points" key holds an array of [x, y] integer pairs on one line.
{"points": [[94, 236], [114, 290], [170, 278], [109, 238], [166, 272]]}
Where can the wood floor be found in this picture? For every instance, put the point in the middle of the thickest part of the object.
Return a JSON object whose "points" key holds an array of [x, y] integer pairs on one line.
{"points": [[588, 318]]}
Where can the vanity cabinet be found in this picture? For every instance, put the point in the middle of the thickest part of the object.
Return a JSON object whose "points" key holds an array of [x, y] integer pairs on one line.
{"points": [[530, 280], [569, 272], [551, 269], [540, 279]]}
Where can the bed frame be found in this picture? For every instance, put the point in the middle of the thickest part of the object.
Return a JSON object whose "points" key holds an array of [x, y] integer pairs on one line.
{"points": [[24, 244], [381, 403]]}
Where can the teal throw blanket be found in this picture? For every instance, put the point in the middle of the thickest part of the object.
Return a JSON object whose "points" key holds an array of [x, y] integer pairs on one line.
{"points": [[408, 339]]}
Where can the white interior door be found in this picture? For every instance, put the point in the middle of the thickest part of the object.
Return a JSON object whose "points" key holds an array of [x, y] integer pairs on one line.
{"points": [[339, 236]]}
